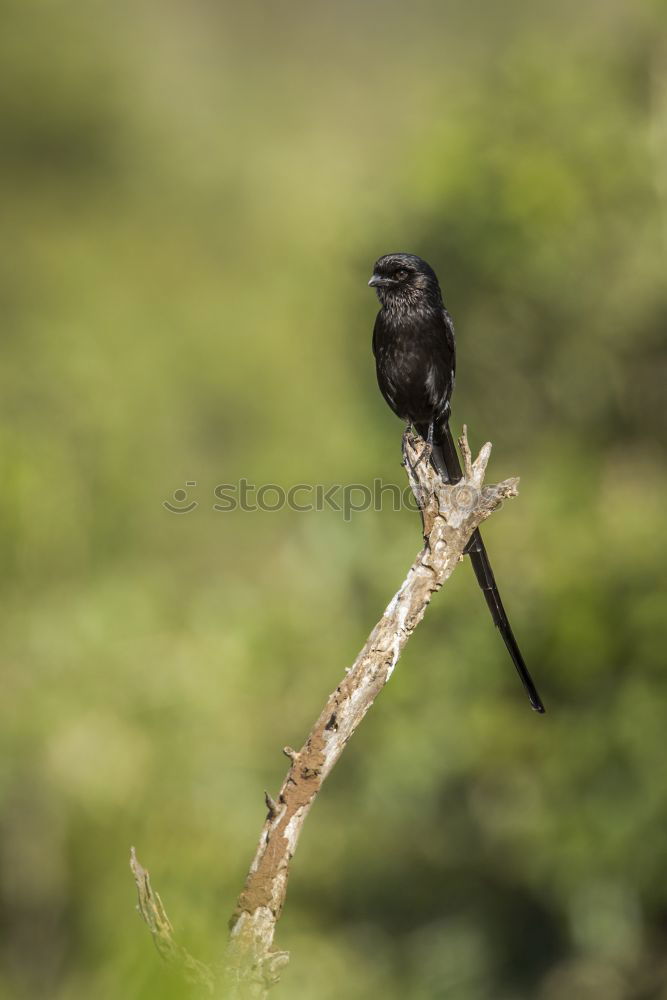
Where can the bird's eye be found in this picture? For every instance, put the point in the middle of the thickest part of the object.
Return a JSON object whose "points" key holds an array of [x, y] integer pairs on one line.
{"points": [[401, 275]]}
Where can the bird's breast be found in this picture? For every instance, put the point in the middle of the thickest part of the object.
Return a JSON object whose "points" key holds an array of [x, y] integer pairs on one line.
{"points": [[414, 370]]}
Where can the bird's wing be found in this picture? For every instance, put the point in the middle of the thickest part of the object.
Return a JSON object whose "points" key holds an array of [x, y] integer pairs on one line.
{"points": [[440, 368], [450, 340]]}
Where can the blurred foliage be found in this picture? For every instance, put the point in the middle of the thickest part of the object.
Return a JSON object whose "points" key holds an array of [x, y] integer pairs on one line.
{"points": [[194, 195]]}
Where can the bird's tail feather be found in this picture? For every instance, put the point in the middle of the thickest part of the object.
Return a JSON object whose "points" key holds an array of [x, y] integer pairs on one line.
{"points": [[446, 460]]}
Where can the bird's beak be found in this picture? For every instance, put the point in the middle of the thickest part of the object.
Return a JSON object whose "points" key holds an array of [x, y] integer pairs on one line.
{"points": [[376, 280]]}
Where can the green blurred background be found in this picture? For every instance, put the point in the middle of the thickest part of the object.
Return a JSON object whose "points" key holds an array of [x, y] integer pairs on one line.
{"points": [[194, 195]]}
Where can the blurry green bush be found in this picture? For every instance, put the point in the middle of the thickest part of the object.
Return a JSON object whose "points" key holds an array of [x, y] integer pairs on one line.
{"points": [[194, 198]]}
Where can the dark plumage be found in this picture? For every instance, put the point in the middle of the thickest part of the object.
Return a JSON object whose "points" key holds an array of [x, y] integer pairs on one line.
{"points": [[415, 357]]}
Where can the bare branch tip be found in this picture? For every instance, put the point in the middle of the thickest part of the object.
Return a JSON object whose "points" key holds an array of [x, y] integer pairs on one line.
{"points": [[271, 805], [482, 460], [511, 486], [465, 452]]}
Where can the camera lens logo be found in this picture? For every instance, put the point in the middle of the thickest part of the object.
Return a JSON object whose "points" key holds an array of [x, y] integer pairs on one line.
{"points": [[180, 496]]}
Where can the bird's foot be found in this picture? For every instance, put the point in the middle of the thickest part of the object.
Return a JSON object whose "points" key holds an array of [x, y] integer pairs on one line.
{"points": [[425, 454]]}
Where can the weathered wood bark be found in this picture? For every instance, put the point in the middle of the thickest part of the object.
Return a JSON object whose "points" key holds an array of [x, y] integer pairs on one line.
{"points": [[450, 515]]}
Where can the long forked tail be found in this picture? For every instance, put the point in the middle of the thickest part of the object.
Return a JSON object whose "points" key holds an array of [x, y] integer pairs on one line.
{"points": [[446, 460]]}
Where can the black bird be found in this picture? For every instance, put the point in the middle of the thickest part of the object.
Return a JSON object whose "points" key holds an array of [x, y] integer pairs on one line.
{"points": [[415, 357]]}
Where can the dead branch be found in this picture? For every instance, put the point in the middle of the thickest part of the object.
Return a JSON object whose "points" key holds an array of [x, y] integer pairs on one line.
{"points": [[450, 515]]}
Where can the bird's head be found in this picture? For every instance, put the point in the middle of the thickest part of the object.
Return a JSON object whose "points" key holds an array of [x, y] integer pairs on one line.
{"points": [[405, 279]]}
